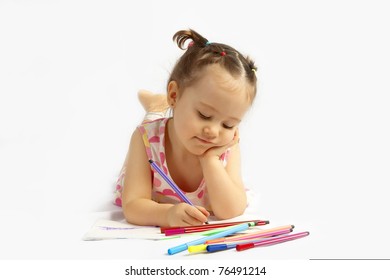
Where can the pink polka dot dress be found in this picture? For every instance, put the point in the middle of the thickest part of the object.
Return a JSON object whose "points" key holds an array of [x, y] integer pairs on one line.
{"points": [[153, 134]]}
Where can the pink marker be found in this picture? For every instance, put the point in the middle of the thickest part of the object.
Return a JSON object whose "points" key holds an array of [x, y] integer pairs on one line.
{"points": [[271, 241], [263, 233]]}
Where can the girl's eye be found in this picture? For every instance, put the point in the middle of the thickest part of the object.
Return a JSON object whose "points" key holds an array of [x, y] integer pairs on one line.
{"points": [[228, 127], [203, 116]]}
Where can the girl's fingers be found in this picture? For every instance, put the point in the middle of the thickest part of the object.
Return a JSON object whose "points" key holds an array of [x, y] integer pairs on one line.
{"points": [[191, 221], [236, 138], [196, 215], [203, 210]]}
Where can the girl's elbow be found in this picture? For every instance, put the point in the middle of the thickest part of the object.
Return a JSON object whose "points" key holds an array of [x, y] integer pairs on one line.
{"points": [[129, 213], [230, 212]]}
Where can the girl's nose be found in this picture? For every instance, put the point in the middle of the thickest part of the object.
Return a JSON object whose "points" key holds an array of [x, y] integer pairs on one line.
{"points": [[210, 131]]}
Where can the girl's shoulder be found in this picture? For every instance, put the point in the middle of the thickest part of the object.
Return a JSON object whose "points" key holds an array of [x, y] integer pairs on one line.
{"points": [[153, 128], [153, 133], [153, 124]]}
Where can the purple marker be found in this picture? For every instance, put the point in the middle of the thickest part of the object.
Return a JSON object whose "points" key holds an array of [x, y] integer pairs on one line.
{"points": [[170, 182]]}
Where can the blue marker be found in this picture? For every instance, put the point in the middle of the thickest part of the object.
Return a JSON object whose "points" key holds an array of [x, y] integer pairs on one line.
{"points": [[228, 231], [220, 247], [226, 246]]}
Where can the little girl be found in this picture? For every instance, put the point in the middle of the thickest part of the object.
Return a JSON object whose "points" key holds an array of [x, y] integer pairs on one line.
{"points": [[209, 91]]}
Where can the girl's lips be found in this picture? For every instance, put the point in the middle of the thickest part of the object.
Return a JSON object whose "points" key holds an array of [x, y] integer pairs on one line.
{"points": [[204, 141]]}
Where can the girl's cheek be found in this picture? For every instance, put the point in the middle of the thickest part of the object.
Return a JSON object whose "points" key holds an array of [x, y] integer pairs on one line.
{"points": [[229, 138]]}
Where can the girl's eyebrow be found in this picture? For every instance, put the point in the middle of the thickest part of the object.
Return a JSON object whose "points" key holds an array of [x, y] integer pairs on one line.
{"points": [[215, 110]]}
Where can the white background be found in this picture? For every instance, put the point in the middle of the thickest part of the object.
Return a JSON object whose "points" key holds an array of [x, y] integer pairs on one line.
{"points": [[315, 144]]}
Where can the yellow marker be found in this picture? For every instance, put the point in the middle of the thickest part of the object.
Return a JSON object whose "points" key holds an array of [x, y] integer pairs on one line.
{"points": [[197, 248]]}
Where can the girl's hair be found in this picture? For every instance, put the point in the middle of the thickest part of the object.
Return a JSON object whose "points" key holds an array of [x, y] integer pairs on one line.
{"points": [[200, 53]]}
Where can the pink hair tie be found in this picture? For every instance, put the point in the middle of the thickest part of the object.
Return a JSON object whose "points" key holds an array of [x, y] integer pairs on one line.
{"points": [[223, 53], [191, 44]]}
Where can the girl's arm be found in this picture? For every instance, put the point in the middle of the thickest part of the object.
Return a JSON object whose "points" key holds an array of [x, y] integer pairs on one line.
{"points": [[138, 206], [224, 184]]}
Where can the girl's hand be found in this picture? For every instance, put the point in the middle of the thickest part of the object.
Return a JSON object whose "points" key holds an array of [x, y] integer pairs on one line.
{"points": [[183, 214], [219, 150]]}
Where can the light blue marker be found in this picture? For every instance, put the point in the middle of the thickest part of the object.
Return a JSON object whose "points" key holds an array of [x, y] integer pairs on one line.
{"points": [[228, 231]]}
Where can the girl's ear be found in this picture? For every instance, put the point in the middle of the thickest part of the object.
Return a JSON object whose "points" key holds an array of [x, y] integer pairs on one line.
{"points": [[173, 93]]}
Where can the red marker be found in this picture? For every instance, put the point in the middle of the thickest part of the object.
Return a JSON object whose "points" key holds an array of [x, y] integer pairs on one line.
{"points": [[191, 229]]}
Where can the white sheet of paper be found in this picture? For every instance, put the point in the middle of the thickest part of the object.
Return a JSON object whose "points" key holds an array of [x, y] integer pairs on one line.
{"points": [[107, 229]]}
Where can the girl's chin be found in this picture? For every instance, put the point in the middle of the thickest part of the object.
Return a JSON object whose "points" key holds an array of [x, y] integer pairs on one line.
{"points": [[197, 151]]}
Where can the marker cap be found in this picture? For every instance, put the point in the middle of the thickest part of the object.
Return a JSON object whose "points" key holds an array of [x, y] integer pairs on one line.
{"points": [[177, 249], [216, 247], [197, 248], [175, 231], [242, 247]]}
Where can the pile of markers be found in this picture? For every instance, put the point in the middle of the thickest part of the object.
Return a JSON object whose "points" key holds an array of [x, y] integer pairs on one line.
{"points": [[225, 236]]}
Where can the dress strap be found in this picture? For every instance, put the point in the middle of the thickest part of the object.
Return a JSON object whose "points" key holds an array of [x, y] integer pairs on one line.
{"points": [[144, 135]]}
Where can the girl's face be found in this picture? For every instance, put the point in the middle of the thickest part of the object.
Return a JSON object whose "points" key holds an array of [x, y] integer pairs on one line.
{"points": [[207, 113]]}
